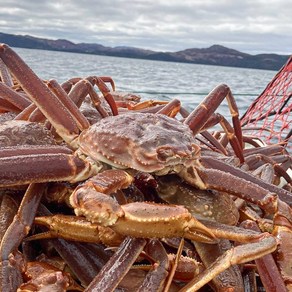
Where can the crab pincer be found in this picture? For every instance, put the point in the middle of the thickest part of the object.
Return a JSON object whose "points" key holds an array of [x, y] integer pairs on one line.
{"points": [[138, 219]]}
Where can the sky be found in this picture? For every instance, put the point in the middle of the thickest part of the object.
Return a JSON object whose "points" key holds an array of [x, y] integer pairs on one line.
{"points": [[250, 26]]}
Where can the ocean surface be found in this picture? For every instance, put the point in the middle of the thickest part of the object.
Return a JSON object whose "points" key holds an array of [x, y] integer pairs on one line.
{"points": [[153, 79]]}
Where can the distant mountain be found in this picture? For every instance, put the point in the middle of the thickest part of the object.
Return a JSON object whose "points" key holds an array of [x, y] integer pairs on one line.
{"points": [[214, 55]]}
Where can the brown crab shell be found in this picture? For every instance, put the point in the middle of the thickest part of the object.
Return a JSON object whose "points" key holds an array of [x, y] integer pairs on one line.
{"points": [[142, 141]]}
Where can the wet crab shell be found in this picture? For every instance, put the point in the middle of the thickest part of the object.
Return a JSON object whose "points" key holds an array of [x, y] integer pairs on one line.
{"points": [[145, 142]]}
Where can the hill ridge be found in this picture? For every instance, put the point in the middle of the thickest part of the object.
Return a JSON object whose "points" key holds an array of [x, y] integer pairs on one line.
{"points": [[214, 55]]}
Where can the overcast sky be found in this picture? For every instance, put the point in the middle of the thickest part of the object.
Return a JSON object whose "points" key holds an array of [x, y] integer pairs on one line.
{"points": [[251, 26]]}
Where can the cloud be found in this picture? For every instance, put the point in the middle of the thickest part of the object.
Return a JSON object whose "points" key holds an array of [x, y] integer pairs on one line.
{"points": [[252, 26]]}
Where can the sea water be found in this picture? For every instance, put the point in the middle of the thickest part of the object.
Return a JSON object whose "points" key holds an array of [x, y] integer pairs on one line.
{"points": [[189, 83]]}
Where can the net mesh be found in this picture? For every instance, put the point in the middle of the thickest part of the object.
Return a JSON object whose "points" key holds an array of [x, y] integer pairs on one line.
{"points": [[269, 116]]}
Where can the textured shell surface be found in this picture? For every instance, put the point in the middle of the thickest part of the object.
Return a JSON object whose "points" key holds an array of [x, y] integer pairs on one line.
{"points": [[146, 142]]}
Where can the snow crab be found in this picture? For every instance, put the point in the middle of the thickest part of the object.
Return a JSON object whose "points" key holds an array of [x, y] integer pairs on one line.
{"points": [[143, 142]]}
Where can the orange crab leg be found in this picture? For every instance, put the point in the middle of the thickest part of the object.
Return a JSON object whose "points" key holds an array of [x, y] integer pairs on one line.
{"points": [[76, 228], [80, 257]]}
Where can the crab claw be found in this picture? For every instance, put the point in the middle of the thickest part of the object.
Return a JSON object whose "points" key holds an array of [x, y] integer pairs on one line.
{"points": [[139, 219], [151, 220]]}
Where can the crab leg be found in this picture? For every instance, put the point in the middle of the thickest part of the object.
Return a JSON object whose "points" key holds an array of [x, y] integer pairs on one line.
{"points": [[146, 104], [237, 255], [17, 230], [25, 114], [62, 95], [80, 257], [139, 219], [267, 268], [233, 140], [67, 85], [6, 106], [76, 228], [99, 81], [158, 273], [52, 163], [283, 232], [22, 220], [60, 117], [118, 265], [13, 97], [80, 91], [212, 179], [171, 108], [197, 119], [256, 160], [5, 75], [8, 210], [228, 280], [217, 171], [213, 141]]}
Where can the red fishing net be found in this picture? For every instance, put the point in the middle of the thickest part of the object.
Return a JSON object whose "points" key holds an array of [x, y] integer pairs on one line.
{"points": [[269, 116]]}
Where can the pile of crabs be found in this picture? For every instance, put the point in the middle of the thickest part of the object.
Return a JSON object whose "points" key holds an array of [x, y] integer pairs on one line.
{"points": [[103, 192]]}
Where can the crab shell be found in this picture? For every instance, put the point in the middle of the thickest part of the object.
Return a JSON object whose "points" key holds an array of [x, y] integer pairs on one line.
{"points": [[142, 141]]}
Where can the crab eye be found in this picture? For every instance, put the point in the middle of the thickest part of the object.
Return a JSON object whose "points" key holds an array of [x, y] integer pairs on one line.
{"points": [[163, 153]]}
